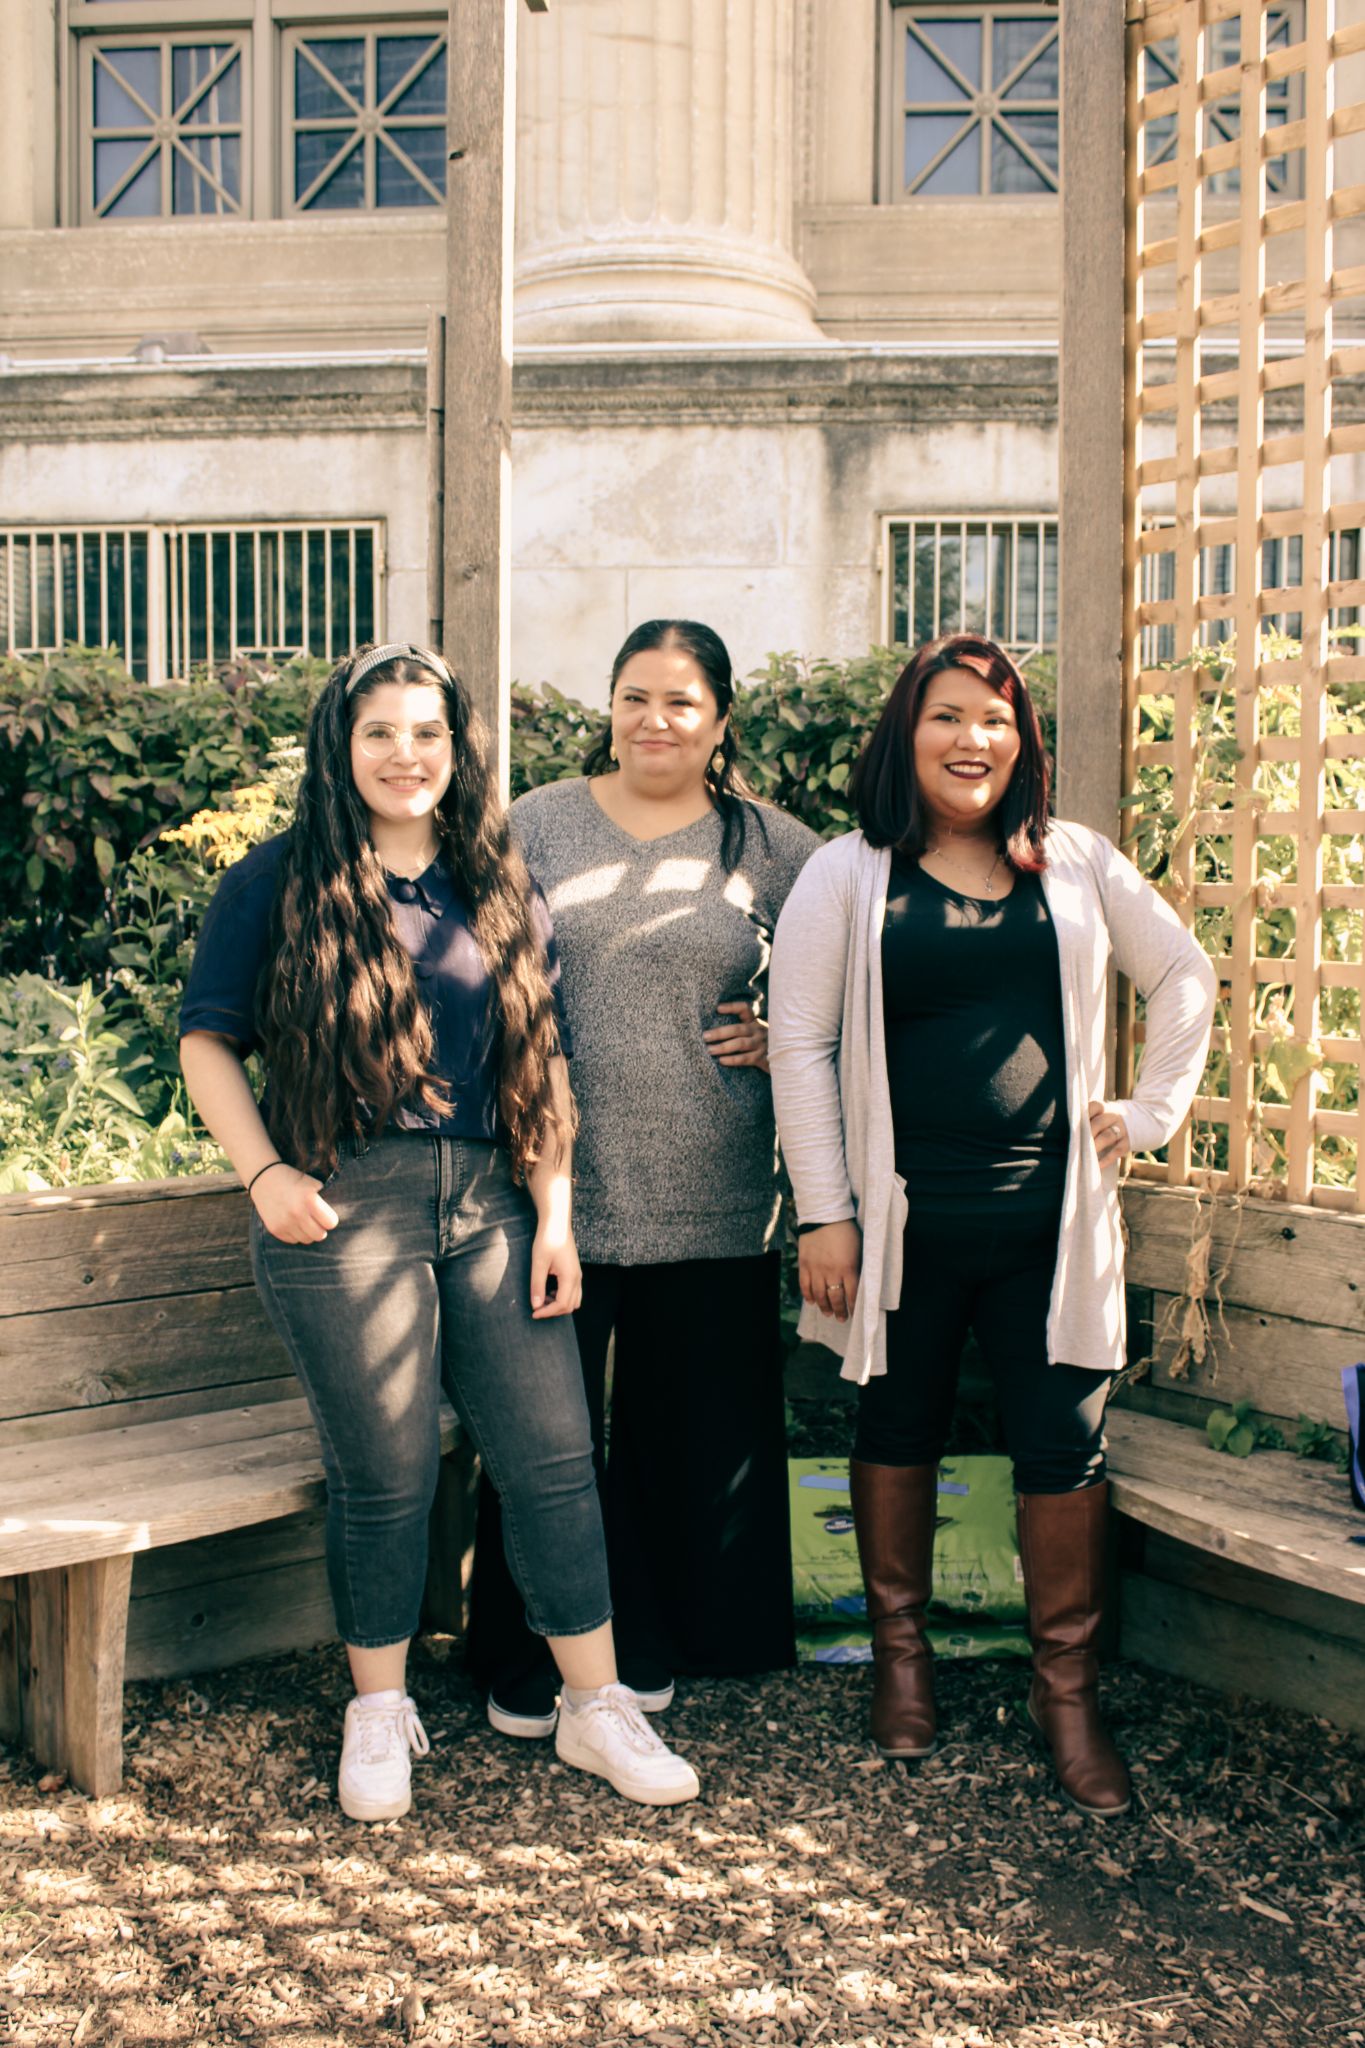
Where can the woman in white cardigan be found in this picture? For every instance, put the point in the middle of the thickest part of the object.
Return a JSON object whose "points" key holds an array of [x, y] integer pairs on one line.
{"points": [[937, 1042]]}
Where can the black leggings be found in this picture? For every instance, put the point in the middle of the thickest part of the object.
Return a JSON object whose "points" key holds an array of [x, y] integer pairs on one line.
{"points": [[989, 1272], [694, 1491]]}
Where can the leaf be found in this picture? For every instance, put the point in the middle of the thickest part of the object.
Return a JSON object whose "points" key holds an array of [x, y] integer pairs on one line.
{"points": [[121, 741], [104, 858], [1241, 1441], [35, 867]]}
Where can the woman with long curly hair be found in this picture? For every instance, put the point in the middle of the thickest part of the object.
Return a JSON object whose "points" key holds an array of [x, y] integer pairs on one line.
{"points": [[410, 1177], [665, 876], [938, 1040]]}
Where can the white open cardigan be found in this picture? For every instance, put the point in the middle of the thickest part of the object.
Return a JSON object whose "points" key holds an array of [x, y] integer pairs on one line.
{"points": [[827, 1050]]}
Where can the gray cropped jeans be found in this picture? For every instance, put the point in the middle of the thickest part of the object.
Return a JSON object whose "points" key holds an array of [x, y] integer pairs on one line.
{"points": [[426, 1281]]}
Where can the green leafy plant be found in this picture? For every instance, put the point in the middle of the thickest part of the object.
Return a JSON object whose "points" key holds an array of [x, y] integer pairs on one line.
{"points": [[1232, 1430], [73, 1089], [1320, 1440], [94, 766]]}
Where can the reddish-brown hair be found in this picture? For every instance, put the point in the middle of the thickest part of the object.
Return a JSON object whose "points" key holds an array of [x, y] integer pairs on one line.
{"points": [[885, 788]]}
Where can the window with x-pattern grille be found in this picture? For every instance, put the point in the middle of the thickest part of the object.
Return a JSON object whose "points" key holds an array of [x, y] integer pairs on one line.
{"points": [[223, 109], [971, 100]]}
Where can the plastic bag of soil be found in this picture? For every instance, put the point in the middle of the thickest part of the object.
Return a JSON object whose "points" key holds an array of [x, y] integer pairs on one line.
{"points": [[978, 1598]]}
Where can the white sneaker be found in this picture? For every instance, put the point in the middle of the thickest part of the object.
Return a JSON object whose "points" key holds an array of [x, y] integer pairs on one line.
{"points": [[611, 1737], [375, 1778]]}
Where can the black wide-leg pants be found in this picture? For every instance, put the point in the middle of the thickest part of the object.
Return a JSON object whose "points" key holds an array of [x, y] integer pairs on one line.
{"points": [[694, 1488]]}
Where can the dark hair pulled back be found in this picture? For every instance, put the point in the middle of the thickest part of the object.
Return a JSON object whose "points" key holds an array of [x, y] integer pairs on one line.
{"points": [[345, 1035], [735, 799]]}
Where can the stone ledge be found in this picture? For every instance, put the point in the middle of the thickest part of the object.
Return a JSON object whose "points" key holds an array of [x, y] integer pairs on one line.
{"points": [[831, 387]]}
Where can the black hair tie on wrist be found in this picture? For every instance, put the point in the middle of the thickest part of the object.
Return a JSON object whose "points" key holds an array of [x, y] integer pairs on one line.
{"points": [[264, 1169]]}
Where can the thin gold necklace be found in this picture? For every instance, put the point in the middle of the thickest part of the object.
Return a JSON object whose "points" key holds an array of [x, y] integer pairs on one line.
{"points": [[408, 871], [988, 884]]}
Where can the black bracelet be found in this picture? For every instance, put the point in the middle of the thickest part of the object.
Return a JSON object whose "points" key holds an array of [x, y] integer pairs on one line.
{"points": [[264, 1169], [802, 1228]]}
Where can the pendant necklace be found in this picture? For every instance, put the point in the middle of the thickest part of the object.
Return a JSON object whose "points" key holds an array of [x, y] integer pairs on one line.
{"points": [[988, 886]]}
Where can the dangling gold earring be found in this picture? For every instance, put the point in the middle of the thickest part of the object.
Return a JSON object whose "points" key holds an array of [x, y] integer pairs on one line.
{"points": [[611, 751], [718, 762]]}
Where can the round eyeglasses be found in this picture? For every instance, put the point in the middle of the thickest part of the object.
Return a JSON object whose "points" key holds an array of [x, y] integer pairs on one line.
{"points": [[376, 740]]}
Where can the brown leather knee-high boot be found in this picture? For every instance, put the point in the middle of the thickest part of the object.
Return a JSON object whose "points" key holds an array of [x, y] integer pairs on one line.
{"points": [[1062, 1548], [893, 1514]]}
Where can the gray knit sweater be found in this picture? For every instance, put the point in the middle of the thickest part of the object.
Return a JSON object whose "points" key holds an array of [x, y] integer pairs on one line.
{"points": [[676, 1155]]}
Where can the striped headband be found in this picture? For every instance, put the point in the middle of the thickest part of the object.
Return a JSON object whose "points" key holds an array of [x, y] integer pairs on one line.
{"points": [[394, 651]]}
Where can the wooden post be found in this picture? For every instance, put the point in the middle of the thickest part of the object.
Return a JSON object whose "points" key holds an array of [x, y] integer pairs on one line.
{"points": [[73, 1625], [476, 584], [1089, 679]]}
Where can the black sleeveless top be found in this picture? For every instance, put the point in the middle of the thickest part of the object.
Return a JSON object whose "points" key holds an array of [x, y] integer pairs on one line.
{"points": [[972, 1000]]}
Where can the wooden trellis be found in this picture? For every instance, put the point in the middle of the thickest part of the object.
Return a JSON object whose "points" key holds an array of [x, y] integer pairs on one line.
{"points": [[1245, 524]]}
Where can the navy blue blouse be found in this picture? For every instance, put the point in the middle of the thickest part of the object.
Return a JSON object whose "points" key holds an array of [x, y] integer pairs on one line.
{"points": [[431, 923]]}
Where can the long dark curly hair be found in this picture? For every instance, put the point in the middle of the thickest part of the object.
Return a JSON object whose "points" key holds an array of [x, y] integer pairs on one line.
{"points": [[344, 1033], [738, 803]]}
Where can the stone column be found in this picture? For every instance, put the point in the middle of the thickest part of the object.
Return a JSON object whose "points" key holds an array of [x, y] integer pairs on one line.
{"points": [[655, 174]]}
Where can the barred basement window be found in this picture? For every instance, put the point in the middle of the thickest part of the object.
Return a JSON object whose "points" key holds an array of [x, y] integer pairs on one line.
{"points": [[367, 119], [972, 575], [971, 100], [171, 600], [1281, 569]]}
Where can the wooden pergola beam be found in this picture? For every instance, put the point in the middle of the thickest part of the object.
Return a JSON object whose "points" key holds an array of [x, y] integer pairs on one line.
{"points": [[1091, 385], [469, 372]]}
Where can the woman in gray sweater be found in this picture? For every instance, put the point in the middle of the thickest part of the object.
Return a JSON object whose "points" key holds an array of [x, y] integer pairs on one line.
{"points": [[938, 1050], [665, 878]]}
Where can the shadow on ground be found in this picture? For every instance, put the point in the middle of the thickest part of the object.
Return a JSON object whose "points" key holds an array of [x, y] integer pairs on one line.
{"points": [[812, 1895]]}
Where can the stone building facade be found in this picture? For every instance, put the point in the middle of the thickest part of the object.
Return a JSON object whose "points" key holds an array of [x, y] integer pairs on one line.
{"points": [[786, 309]]}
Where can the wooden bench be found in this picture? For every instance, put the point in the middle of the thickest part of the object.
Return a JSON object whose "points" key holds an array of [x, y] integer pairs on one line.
{"points": [[160, 1478], [1245, 1574]]}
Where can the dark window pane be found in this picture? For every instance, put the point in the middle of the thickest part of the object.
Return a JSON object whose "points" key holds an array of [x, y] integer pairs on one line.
{"points": [[221, 106], [114, 587], [319, 640], [960, 171], [220, 622], [221, 156], [926, 618], [196, 623], [960, 43], [343, 64], [270, 590], [1041, 81], [1000, 624], [924, 78], [139, 201], [974, 581], [341, 591], [114, 70], [246, 592], [44, 546], [1026, 584], [1011, 170], [900, 585], [1013, 41], [927, 134], [365, 624], [136, 653], [949, 584], [66, 590], [396, 57], [394, 183], [346, 187], [90, 578], [292, 623]]}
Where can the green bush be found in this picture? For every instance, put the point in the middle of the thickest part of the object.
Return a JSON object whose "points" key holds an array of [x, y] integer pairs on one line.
{"points": [[137, 799], [93, 766]]}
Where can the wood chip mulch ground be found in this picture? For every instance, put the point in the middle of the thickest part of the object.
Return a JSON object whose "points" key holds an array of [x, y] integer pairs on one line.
{"points": [[812, 1895]]}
